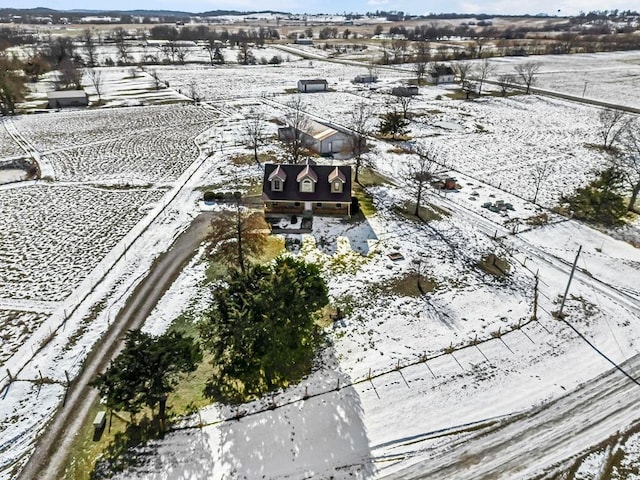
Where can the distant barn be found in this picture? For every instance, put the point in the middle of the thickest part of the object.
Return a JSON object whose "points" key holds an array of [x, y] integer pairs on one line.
{"points": [[67, 98]]}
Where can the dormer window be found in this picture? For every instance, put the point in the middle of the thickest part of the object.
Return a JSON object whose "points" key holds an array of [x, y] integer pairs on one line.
{"points": [[307, 179], [337, 179], [306, 186], [277, 179]]}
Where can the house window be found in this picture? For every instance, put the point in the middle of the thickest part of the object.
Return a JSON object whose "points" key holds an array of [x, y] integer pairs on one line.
{"points": [[336, 187], [318, 204], [274, 203], [306, 186], [297, 204], [276, 185], [338, 205]]}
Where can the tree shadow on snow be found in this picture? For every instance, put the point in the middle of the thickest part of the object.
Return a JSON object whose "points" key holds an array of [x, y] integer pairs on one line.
{"points": [[323, 436]]}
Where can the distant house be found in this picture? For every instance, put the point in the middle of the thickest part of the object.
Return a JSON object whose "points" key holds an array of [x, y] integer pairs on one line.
{"points": [[408, 91], [67, 98], [317, 136], [313, 85], [307, 190], [365, 79], [304, 41], [441, 74]]}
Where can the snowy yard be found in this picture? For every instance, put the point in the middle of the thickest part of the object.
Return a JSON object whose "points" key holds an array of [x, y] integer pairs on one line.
{"points": [[400, 368]]}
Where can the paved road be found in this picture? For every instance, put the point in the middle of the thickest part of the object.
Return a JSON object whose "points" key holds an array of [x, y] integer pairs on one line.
{"points": [[542, 443], [49, 458]]}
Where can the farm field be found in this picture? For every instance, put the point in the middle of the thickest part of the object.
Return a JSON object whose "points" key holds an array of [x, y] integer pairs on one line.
{"points": [[419, 374]]}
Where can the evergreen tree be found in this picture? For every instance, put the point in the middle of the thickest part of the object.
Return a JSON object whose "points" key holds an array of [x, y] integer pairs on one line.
{"points": [[393, 123], [600, 201], [146, 372], [261, 330]]}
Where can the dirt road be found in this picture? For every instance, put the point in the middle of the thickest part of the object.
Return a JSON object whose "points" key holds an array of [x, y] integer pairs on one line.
{"points": [[52, 449]]}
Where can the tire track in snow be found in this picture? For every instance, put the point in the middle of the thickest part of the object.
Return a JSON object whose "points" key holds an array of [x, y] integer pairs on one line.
{"points": [[46, 167]]}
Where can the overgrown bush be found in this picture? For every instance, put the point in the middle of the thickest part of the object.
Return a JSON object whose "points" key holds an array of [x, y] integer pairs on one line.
{"points": [[600, 201]]}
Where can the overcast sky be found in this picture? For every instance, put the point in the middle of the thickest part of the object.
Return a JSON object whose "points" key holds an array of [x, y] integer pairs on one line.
{"points": [[561, 7]]}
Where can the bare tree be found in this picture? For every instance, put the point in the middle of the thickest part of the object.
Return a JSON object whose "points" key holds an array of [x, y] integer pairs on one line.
{"points": [[485, 70], [124, 50], [90, 48], [12, 85], [245, 55], [404, 101], [462, 70], [384, 45], [193, 91], [541, 172], [95, 76], [399, 49], [527, 72], [359, 123], [480, 41], [69, 76], [157, 83], [418, 173], [211, 47], [612, 124], [629, 162], [297, 122], [506, 82], [181, 53], [422, 57], [254, 132], [237, 235]]}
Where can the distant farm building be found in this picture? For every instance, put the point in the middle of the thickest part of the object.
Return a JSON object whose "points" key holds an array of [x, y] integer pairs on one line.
{"points": [[365, 79], [441, 74], [313, 85], [304, 41], [405, 91], [67, 98], [317, 136]]}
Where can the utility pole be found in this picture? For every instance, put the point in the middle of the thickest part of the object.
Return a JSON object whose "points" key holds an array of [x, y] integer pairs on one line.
{"points": [[566, 292]]}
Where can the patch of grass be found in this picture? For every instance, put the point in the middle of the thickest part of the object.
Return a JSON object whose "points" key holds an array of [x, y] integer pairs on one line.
{"points": [[494, 265], [248, 159], [458, 95], [538, 220], [365, 200], [427, 212], [370, 178], [87, 447], [412, 285]]}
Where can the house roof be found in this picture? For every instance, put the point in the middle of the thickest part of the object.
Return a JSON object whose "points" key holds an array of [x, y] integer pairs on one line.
{"points": [[291, 188], [308, 172], [336, 174], [317, 130], [313, 81], [67, 94], [441, 70], [278, 173]]}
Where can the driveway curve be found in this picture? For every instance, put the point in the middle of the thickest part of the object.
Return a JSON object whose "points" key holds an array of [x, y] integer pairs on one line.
{"points": [[49, 458]]}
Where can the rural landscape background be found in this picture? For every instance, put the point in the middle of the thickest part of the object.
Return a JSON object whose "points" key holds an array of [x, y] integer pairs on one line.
{"points": [[496, 157]]}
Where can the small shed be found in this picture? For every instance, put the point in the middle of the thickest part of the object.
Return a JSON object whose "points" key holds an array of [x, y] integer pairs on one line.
{"points": [[408, 91], [304, 41], [365, 79], [67, 98], [313, 85]]}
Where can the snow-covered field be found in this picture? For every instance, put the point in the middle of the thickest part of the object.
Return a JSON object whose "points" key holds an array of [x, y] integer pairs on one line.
{"points": [[611, 77], [399, 367]]}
